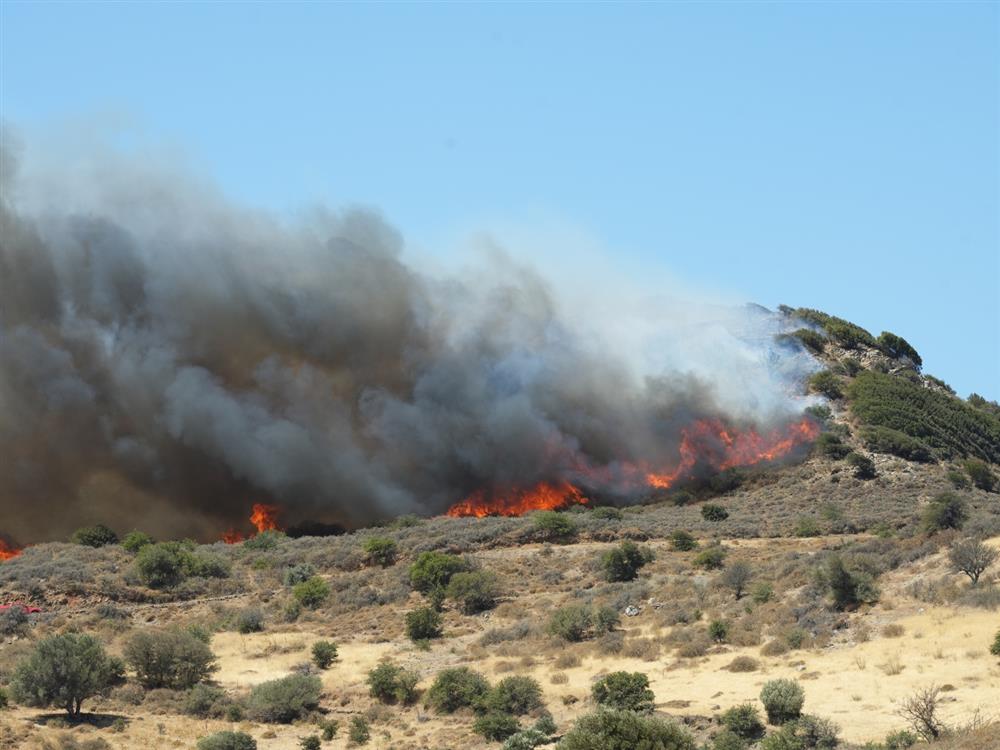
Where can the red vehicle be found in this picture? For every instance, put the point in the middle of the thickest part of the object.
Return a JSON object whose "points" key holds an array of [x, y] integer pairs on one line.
{"points": [[28, 609]]}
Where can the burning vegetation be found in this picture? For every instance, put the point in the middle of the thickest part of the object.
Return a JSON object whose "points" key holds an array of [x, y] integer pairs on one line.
{"points": [[263, 517], [8, 551]]}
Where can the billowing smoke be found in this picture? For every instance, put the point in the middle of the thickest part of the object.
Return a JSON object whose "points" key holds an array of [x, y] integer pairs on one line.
{"points": [[167, 359]]}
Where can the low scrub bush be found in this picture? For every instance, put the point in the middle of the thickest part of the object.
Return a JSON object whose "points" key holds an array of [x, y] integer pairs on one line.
{"points": [[432, 571], [205, 701], [358, 732], [516, 695], [312, 592], [576, 622], [831, 446], [94, 536], [496, 726], [391, 683], [64, 670], [682, 541], [623, 562], [826, 383], [423, 624], [628, 691], [553, 526], [456, 688], [896, 443], [380, 550], [174, 658], [712, 557], [250, 620], [227, 741], [135, 541], [783, 701], [980, 474], [864, 467], [897, 347], [744, 721], [284, 700], [298, 573], [848, 586], [610, 729], [475, 590], [324, 653], [946, 511]]}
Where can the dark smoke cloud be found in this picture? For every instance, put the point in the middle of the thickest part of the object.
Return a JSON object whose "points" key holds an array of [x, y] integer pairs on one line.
{"points": [[167, 359]]}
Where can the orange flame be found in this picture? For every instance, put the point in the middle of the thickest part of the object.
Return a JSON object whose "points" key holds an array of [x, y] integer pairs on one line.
{"points": [[232, 537], [8, 552], [706, 444], [265, 517], [543, 496]]}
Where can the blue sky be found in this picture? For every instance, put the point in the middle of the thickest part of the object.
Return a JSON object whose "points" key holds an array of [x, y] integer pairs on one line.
{"points": [[843, 156]]}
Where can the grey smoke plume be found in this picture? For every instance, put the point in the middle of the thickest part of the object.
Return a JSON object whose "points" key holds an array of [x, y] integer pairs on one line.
{"points": [[167, 359]]}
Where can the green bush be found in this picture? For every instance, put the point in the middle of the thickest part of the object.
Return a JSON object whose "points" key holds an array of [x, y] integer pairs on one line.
{"points": [[945, 511], [848, 587], [475, 590], [298, 574], [958, 480], [358, 733], [804, 733], [627, 691], [897, 347], [205, 701], [135, 541], [4, 699], [432, 571], [783, 700], [265, 540], [736, 577], [575, 622], [94, 536], [380, 550], [682, 541], [624, 561], [391, 683], [329, 729], [831, 446], [456, 688], [807, 526], [423, 624], [64, 670], [847, 334], [526, 739], [980, 474], [727, 740], [900, 740], [718, 630], [762, 592], [552, 526], [744, 721], [810, 339], [312, 592], [516, 695], [893, 442], [712, 557], [713, 512], [227, 741], [947, 425], [284, 700], [864, 467], [173, 658], [826, 383], [609, 729], [250, 620], [496, 726], [312, 742], [166, 564], [324, 653], [995, 648], [606, 513]]}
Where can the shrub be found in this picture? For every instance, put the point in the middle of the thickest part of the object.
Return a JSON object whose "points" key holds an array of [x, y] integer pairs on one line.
{"points": [[828, 444], [713, 512], [161, 565], [743, 664], [980, 474], [628, 691], [516, 695], [380, 550], [432, 571], [227, 741], [945, 511], [391, 683], [810, 339], [496, 726], [169, 659], [265, 540], [945, 424], [897, 347], [63, 670], [359, 734], [682, 541], [864, 467], [718, 630], [135, 541], [250, 620], [609, 729], [896, 443], [312, 742], [575, 622], [744, 721], [624, 561], [329, 727], [312, 592], [826, 383], [711, 558], [456, 688], [423, 624], [4, 699], [727, 740], [324, 653], [13, 621], [995, 648], [807, 526], [298, 573], [552, 526], [782, 701], [849, 588], [900, 740], [204, 701], [972, 557], [762, 592], [94, 536], [958, 480], [606, 513], [736, 577], [476, 590], [526, 739], [206, 566], [283, 700]]}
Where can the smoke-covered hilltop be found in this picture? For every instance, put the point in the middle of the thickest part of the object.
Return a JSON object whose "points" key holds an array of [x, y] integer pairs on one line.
{"points": [[169, 358]]}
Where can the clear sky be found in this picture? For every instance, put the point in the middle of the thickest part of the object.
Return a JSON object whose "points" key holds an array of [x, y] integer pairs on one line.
{"points": [[844, 156]]}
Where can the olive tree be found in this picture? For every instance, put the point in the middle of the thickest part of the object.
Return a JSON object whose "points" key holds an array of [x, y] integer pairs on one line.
{"points": [[64, 670]]}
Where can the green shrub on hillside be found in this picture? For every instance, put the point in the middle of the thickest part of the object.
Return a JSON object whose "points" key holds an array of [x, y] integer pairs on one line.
{"points": [[896, 443], [783, 700], [175, 659], [845, 333], [432, 571], [496, 726], [623, 562], [826, 383], [380, 550], [980, 474], [712, 557], [475, 590], [284, 700], [358, 732], [744, 721], [682, 541], [897, 347], [949, 426], [515, 695], [575, 622], [94, 536], [64, 671], [135, 541], [945, 511], [455, 688], [423, 624], [995, 648], [609, 729], [389, 683], [627, 691], [227, 741], [830, 445], [324, 653], [312, 592], [552, 526], [864, 467], [714, 512]]}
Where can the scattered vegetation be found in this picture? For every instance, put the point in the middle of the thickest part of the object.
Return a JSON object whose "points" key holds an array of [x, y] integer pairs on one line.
{"points": [[284, 700], [456, 688], [423, 624], [623, 562], [610, 729], [64, 670], [94, 536], [391, 683], [380, 550], [172, 658], [324, 653], [575, 622], [628, 691], [783, 701]]}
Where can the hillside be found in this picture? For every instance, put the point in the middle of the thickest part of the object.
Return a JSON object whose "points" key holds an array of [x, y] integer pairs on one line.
{"points": [[835, 572]]}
